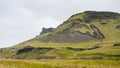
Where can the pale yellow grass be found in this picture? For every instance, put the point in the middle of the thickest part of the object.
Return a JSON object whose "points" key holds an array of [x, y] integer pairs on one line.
{"points": [[1, 66]]}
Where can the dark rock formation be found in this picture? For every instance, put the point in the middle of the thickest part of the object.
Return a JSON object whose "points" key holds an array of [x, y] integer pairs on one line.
{"points": [[118, 27], [30, 49], [94, 47], [25, 49], [103, 23], [46, 30], [82, 49], [116, 44], [48, 48], [97, 33], [101, 15], [75, 49]]}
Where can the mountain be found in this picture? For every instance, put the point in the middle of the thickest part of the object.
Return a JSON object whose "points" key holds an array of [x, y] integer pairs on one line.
{"points": [[89, 25], [88, 35]]}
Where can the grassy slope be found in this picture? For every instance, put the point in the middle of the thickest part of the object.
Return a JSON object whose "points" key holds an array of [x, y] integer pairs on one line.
{"points": [[106, 50]]}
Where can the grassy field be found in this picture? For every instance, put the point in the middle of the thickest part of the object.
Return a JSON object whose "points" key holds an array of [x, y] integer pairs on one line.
{"points": [[59, 63]]}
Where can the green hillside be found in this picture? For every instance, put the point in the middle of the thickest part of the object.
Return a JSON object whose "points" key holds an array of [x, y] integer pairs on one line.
{"points": [[82, 26], [89, 35]]}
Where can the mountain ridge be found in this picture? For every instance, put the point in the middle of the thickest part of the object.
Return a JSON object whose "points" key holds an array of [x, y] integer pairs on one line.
{"points": [[89, 35], [83, 22]]}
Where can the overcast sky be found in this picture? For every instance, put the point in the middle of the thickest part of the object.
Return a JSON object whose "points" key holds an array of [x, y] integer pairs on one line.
{"points": [[21, 20]]}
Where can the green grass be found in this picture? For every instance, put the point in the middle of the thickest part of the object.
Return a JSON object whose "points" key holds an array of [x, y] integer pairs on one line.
{"points": [[109, 30], [59, 63], [24, 64]]}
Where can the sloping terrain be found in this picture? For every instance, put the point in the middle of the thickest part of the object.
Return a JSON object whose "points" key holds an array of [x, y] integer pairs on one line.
{"points": [[88, 35]]}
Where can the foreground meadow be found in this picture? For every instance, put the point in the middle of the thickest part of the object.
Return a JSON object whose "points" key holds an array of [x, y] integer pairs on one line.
{"points": [[59, 63]]}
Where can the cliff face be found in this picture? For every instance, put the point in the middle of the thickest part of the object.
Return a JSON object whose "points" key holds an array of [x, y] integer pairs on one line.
{"points": [[46, 30]]}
